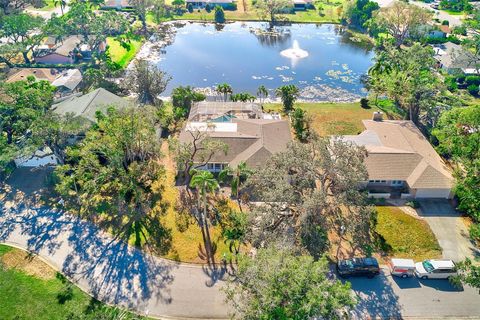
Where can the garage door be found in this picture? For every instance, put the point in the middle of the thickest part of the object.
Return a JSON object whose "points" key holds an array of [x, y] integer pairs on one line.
{"points": [[433, 193]]}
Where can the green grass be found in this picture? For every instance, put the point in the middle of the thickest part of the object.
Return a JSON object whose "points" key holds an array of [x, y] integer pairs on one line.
{"points": [[406, 236], [248, 12], [334, 118], [26, 297], [121, 55]]}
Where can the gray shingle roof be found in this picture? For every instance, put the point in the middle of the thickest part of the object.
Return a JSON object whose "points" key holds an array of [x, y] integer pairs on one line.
{"points": [[88, 104]]}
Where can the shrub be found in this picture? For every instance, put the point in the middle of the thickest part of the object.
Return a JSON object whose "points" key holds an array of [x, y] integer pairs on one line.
{"points": [[413, 204], [461, 79], [208, 8], [231, 6], [219, 15], [451, 84], [190, 7], [469, 80], [364, 103], [473, 89], [475, 232]]}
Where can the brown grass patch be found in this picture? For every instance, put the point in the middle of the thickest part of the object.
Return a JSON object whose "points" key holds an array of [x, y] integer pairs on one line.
{"points": [[28, 263]]}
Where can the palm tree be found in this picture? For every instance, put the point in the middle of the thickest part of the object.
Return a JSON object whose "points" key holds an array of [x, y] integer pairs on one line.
{"points": [[205, 183], [262, 93], [288, 94], [224, 89], [238, 175], [62, 3]]}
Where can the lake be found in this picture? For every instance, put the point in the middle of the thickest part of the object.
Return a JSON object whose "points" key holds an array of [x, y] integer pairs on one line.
{"points": [[243, 55]]}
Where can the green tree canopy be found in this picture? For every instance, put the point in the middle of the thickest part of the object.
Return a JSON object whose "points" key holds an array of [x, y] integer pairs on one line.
{"points": [[22, 103], [288, 94], [277, 284], [114, 177]]}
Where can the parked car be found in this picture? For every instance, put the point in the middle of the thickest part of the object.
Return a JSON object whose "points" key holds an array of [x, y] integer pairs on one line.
{"points": [[402, 267], [358, 267], [435, 269]]}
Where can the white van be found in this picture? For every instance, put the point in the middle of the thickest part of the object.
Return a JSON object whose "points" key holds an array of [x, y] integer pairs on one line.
{"points": [[435, 269]]}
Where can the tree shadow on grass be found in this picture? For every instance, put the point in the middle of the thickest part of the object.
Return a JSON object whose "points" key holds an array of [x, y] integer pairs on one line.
{"points": [[109, 269]]}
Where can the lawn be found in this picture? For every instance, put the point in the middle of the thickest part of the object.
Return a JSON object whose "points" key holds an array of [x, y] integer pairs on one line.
{"points": [[246, 11], [121, 55], [334, 118], [29, 289], [406, 236]]}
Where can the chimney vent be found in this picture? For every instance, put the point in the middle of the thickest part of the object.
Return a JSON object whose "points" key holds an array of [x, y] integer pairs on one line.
{"points": [[377, 116]]}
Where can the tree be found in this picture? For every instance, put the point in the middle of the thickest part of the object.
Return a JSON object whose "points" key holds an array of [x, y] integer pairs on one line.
{"points": [[114, 177], [196, 153], [55, 131], [182, 100], [307, 190], [242, 97], [262, 93], [467, 273], [237, 175], [288, 94], [141, 8], [458, 134], [178, 4], [219, 15], [277, 284], [224, 89], [401, 19], [22, 103], [24, 30], [270, 9], [61, 3], [14, 6], [301, 124], [205, 183], [406, 77], [358, 12], [147, 81]]}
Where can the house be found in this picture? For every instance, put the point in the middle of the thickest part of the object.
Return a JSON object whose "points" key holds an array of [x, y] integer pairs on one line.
{"points": [[68, 81], [401, 162], [71, 50], [116, 5], [452, 57], [251, 135], [302, 5], [87, 105], [201, 4], [43, 157], [38, 73]]}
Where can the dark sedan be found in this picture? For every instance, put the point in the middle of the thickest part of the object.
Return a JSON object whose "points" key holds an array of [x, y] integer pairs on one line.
{"points": [[358, 267]]}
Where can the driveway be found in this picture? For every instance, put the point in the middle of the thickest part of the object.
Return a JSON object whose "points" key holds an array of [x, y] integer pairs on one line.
{"points": [[109, 269], [449, 228], [387, 297]]}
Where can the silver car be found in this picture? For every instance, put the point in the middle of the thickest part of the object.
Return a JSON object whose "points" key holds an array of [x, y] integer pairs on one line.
{"points": [[435, 269]]}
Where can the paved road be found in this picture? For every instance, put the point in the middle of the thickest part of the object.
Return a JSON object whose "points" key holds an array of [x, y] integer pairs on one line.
{"points": [[449, 229], [387, 297], [110, 270]]}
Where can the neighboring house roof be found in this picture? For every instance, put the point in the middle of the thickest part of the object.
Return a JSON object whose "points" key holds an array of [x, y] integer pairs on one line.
{"points": [[39, 73], [68, 45], [397, 150], [70, 79], [116, 4], [251, 140], [88, 104], [452, 56]]}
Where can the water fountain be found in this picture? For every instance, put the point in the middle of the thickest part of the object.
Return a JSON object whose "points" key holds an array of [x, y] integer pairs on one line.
{"points": [[294, 52]]}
